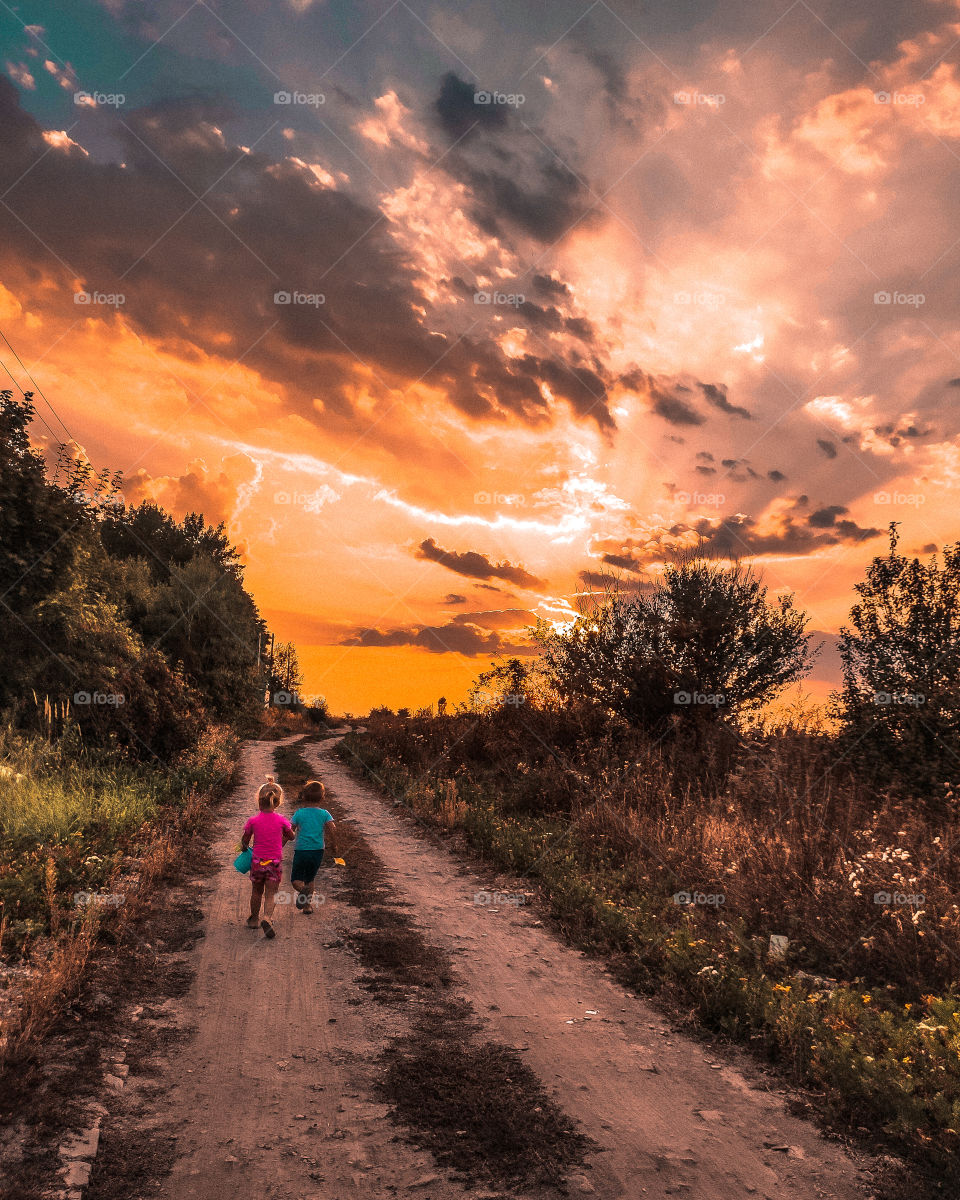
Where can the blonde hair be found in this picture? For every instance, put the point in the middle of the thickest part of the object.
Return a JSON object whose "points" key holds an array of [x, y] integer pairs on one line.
{"points": [[270, 793], [313, 792]]}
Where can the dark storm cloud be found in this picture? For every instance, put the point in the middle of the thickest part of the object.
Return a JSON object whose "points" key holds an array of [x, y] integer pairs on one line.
{"points": [[546, 285], [498, 618], [737, 536], [826, 518], [469, 640], [515, 180], [673, 409], [199, 275], [453, 598], [475, 565], [828, 448], [459, 112], [894, 435], [624, 562], [716, 394], [776, 476], [738, 469]]}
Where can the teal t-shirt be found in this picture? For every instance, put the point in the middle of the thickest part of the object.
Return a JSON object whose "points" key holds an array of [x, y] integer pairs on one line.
{"points": [[309, 823]]}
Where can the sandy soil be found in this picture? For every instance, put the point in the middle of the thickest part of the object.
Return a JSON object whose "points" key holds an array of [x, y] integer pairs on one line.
{"points": [[270, 1094]]}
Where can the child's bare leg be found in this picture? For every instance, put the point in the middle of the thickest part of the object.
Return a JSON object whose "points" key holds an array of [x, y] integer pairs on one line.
{"points": [[256, 898], [269, 899]]}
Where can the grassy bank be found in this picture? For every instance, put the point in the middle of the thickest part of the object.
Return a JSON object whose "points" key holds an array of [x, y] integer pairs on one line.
{"points": [[84, 838], [860, 1005]]}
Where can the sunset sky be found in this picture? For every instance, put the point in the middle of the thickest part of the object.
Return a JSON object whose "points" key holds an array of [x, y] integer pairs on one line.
{"points": [[571, 285]]}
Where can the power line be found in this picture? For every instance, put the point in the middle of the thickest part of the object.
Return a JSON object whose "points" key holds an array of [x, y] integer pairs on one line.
{"points": [[58, 440], [39, 392]]}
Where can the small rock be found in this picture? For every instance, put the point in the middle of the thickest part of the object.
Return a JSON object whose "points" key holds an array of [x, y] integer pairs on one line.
{"points": [[424, 1181]]}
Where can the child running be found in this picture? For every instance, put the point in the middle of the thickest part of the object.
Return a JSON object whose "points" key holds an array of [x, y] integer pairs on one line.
{"points": [[311, 823], [269, 830]]}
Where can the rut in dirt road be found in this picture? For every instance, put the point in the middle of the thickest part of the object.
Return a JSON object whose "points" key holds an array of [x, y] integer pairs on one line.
{"points": [[272, 1076]]}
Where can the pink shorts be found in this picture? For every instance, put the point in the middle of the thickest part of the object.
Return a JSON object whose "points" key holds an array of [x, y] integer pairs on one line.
{"points": [[268, 870]]}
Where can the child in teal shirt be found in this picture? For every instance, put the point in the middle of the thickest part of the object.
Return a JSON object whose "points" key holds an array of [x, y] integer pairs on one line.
{"points": [[312, 825]]}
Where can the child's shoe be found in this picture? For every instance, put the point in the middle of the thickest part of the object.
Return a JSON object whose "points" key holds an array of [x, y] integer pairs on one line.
{"points": [[252, 922], [268, 929]]}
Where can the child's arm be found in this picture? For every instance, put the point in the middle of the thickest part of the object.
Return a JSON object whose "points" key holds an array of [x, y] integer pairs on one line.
{"points": [[330, 836]]}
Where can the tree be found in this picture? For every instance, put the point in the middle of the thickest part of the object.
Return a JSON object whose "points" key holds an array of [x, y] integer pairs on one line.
{"points": [[508, 682], [899, 706], [704, 643], [286, 675]]}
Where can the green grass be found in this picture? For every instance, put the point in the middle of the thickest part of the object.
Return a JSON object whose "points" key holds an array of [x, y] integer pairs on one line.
{"points": [[71, 821]]}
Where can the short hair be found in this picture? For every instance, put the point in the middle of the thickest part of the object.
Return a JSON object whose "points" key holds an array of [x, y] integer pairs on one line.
{"points": [[313, 792], [270, 793]]}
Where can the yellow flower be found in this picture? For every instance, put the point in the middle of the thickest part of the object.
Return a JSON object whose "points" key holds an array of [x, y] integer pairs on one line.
{"points": [[866, 999], [781, 987]]}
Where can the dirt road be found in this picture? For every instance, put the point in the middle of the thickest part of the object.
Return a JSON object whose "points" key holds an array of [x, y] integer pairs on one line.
{"points": [[271, 1093]]}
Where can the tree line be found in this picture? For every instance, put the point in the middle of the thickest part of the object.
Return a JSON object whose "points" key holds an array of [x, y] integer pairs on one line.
{"points": [[130, 625]]}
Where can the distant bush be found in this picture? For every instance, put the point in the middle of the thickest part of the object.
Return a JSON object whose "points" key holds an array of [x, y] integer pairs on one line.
{"points": [[704, 644]]}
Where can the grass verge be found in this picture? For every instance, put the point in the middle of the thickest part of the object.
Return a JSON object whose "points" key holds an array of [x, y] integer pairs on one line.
{"points": [[85, 842]]}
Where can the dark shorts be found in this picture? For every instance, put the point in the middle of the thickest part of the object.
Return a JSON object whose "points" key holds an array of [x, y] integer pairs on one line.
{"points": [[306, 864], [267, 871]]}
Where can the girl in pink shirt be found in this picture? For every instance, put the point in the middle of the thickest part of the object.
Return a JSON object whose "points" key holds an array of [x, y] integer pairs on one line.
{"points": [[268, 830]]}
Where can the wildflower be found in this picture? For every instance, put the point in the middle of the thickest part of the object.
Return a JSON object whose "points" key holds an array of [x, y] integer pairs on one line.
{"points": [[781, 987], [866, 998]]}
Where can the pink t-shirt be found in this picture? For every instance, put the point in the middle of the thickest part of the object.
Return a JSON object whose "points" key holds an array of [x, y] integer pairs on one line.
{"points": [[267, 830]]}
